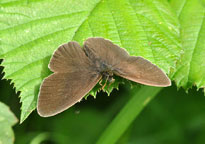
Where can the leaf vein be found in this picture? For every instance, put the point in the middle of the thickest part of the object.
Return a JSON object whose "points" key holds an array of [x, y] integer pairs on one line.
{"points": [[41, 19], [195, 43], [86, 19], [37, 39], [144, 32]]}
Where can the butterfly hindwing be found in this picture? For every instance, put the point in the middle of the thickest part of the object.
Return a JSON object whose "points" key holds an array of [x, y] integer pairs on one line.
{"points": [[60, 91]]}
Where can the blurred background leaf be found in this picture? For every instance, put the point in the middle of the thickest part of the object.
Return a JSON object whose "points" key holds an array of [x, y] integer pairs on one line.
{"points": [[7, 120], [30, 33], [140, 98], [172, 117]]}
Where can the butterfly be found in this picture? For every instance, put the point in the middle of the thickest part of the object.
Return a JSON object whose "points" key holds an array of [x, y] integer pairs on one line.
{"points": [[78, 69]]}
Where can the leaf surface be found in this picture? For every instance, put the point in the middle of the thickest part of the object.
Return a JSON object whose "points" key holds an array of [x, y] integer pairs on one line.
{"points": [[30, 31], [191, 68]]}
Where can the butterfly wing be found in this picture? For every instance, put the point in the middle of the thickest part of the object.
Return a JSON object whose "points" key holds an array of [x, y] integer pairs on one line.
{"points": [[142, 71], [105, 50], [73, 78], [133, 68], [69, 57], [62, 90]]}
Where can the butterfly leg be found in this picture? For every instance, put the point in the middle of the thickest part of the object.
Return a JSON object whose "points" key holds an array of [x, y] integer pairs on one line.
{"points": [[100, 82], [105, 83], [112, 80]]}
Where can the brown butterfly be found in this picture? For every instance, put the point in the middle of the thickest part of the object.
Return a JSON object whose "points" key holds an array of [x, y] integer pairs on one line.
{"points": [[77, 70]]}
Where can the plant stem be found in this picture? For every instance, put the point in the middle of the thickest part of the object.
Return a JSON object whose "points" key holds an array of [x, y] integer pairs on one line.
{"points": [[128, 114]]}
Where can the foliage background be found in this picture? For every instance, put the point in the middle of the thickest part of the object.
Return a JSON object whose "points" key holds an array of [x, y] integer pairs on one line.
{"points": [[168, 33]]}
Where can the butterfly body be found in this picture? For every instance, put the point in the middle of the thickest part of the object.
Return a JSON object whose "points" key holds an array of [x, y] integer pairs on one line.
{"points": [[101, 67], [77, 70]]}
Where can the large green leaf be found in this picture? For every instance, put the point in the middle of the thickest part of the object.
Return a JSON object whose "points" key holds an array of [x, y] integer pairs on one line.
{"points": [[7, 120], [191, 68], [32, 30]]}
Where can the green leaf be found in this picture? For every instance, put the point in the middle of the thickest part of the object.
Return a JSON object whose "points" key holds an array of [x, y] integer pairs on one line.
{"points": [[191, 68], [31, 30], [7, 120]]}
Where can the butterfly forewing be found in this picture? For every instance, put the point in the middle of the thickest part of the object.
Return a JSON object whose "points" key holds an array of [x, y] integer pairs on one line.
{"points": [[105, 50], [68, 57], [142, 71]]}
